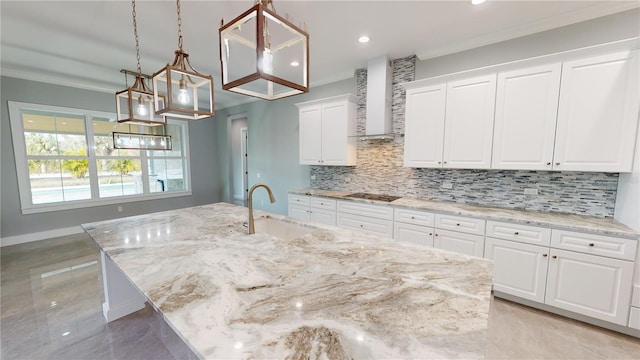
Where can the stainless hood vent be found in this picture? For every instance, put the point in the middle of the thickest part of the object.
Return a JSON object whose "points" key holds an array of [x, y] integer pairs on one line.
{"points": [[379, 98]]}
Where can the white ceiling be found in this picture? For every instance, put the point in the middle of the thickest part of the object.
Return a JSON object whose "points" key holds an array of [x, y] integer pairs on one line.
{"points": [[86, 43]]}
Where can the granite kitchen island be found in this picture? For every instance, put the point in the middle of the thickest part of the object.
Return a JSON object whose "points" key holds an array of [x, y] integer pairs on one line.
{"points": [[309, 290]]}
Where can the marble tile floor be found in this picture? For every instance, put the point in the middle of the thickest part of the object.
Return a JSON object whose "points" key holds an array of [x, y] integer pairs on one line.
{"points": [[51, 298]]}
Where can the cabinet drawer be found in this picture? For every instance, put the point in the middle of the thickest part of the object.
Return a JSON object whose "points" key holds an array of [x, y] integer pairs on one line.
{"points": [[618, 248], [459, 223], [322, 203], [414, 217], [364, 223], [376, 211], [520, 233], [301, 200]]}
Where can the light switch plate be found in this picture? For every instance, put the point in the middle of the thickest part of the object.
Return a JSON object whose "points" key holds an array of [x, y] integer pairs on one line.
{"points": [[531, 191], [447, 185]]}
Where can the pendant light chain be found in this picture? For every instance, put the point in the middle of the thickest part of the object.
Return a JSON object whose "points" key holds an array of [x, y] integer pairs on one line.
{"points": [[179, 26], [135, 32]]}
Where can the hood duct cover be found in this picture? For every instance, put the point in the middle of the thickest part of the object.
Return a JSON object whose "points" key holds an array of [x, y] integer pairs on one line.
{"points": [[379, 97]]}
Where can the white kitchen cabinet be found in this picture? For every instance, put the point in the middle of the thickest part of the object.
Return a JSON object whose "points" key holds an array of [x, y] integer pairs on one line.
{"points": [[424, 126], [595, 286], [413, 226], [598, 113], [525, 118], [518, 269], [459, 242], [327, 131], [375, 219], [309, 208], [468, 126]]}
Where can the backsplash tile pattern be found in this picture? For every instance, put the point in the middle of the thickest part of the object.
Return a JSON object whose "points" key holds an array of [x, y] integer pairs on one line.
{"points": [[379, 170]]}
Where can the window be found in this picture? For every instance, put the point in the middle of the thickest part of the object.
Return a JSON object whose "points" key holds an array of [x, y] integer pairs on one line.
{"points": [[65, 159]]}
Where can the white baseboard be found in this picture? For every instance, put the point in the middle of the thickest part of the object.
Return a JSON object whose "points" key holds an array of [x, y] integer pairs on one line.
{"points": [[114, 313], [25, 238]]}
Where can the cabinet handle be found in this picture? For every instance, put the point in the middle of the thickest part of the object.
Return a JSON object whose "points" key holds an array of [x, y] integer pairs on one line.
{"points": [[549, 163], [457, 224], [412, 218], [430, 234], [445, 162], [439, 162], [436, 234], [544, 255], [592, 244], [516, 233], [361, 225], [554, 257], [557, 163]]}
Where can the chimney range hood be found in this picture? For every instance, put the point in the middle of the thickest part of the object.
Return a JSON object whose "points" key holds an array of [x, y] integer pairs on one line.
{"points": [[379, 96]]}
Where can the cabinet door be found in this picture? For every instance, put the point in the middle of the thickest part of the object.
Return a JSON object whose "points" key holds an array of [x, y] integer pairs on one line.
{"points": [[322, 216], [416, 234], [334, 133], [424, 126], [310, 124], [468, 125], [518, 269], [299, 212], [598, 113], [595, 286], [525, 121], [459, 242]]}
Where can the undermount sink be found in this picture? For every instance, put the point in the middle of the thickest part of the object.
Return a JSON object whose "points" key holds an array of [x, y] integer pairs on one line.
{"points": [[281, 229]]}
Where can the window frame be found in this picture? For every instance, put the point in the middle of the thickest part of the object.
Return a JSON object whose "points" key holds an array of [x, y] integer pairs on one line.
{"points": [[22, 166]]}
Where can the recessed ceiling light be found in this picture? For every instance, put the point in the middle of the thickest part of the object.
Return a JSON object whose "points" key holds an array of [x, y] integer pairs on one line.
{"points": [[477, 2], [363, 39], [295, 63]]}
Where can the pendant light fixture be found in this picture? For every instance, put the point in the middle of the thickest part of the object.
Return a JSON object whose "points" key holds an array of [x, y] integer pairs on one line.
{"points": [[135, 105], [263, 54], [188, 94]]}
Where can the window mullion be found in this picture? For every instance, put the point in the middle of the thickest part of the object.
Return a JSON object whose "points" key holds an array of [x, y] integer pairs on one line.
{"points": [[91, 152], [144, 167]]}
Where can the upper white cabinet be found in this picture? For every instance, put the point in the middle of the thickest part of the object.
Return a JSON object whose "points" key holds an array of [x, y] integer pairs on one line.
{"points": [[578, 115], [468, 126], [450, 125], [424, 128], [327, 131], [525, 121], [598, 113]]}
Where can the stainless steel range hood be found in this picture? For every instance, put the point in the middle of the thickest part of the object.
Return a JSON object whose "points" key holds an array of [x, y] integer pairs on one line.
{"points": [[379, 98]]}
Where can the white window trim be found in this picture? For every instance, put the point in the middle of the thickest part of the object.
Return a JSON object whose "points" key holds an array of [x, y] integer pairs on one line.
{"points": [[22, 168]]}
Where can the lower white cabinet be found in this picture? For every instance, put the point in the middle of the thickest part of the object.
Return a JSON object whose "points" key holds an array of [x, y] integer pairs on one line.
{"points": [[310, 208], [518, 269], [366, 223], [422, 235], [459, 242], [595, 286]]}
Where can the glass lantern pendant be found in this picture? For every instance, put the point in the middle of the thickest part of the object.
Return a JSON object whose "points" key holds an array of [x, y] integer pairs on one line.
{"points": [[179, 90], [263, 54], [135, 105]]}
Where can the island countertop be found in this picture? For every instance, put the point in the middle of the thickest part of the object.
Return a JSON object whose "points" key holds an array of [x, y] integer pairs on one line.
{"points": [[333, 292]]}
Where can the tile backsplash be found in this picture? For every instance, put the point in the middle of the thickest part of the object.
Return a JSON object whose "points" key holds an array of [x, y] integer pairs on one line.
{"points": [[379, 170]]}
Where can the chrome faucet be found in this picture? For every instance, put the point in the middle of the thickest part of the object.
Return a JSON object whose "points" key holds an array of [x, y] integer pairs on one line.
{"points": [[252, 229]]}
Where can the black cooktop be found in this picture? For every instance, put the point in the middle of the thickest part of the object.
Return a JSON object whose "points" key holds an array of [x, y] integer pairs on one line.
{"points": [[376, 197]]}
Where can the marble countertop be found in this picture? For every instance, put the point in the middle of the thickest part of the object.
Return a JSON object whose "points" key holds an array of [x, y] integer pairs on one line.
{"points": [[332, 293], [583, 223]]}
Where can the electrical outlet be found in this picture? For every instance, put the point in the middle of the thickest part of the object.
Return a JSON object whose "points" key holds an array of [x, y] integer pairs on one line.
{"points": [[447, 185], [531, 191], [119, 209], [258, 175], [313, 177], [261, 202]]}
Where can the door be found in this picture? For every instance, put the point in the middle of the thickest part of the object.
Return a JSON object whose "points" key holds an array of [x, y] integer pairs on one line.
{"points": [[310, 125], [525, 120], [595, 286], [424, 126], [416, 234], [334, 133], [468, 123], [518, 269], [459, 242], [598, 113], [238, 161]]}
